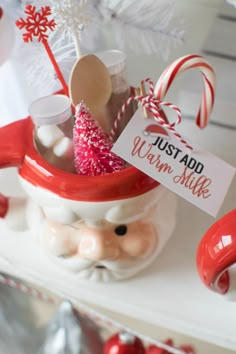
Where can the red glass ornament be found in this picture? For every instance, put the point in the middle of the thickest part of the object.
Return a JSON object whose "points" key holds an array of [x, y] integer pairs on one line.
{"points": [[124, 343], [188, 349], [153, 349], [1, 12]]}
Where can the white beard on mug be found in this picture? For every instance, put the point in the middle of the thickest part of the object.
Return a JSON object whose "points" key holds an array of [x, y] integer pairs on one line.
{"points": [[138, 248]]}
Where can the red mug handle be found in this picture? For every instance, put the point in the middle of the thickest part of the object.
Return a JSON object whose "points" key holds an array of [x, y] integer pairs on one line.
{"points": [[217, 252], [13, 145]]}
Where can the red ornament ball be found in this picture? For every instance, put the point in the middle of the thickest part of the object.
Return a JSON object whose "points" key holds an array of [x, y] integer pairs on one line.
{"points": [[124, 343], [153, 349], [188, 349]]}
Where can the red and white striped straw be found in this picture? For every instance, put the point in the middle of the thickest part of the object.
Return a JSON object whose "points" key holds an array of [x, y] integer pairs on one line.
{"points": [[209, 78]]}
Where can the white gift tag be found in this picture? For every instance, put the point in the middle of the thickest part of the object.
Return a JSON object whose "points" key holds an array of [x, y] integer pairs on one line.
{"points": [[198, 176]]}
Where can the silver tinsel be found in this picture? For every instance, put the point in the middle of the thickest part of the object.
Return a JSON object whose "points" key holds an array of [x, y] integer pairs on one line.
{"points": [[71, 333], [28, 328], [19, 333]]}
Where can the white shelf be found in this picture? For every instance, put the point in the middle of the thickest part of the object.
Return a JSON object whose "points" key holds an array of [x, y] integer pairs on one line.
{"points": [[169, 293]]}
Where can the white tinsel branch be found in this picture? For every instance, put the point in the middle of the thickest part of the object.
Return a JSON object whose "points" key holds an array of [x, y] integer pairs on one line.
{"points": [[144, 26], [39, 71], [38, 68], [147, 26], [71, 18], [231, 2]]}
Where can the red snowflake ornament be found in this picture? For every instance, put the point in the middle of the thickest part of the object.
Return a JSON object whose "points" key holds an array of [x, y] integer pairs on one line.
{"points": [[36, 23], [92, 147]]}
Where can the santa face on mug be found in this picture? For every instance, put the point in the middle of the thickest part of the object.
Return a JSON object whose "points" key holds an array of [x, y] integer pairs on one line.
{"points": [[110, 241]]}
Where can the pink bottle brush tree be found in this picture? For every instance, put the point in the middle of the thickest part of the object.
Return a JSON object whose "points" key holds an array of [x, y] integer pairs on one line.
{"points": [[92, 147]]}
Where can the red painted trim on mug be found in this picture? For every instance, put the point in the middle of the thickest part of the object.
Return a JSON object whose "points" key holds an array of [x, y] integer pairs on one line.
{"points": [[217, 252], [14, 142], [17, 149]]}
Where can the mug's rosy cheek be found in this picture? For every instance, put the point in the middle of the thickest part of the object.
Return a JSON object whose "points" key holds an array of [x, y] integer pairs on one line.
{"points": [[140, 242], [57, 239]]}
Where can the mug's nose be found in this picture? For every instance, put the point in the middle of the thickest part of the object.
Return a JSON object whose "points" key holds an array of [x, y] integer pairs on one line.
{"points": [[97, 245]]}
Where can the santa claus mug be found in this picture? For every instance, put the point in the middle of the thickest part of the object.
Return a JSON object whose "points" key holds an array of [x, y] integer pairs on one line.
{"points": [[216, 255], [100, 227]]}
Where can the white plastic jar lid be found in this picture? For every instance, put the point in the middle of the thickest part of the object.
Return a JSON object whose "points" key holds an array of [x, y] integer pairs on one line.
{"points": [[53, 109], [113, 59]]}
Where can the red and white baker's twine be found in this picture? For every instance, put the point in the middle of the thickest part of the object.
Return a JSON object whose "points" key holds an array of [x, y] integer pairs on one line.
{"points": [[26, 289], [153, 105], [87, 312], [154, 99]]}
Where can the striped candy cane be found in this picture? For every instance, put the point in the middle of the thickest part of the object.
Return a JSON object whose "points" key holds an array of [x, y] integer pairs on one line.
{"points": [[185, 63]]}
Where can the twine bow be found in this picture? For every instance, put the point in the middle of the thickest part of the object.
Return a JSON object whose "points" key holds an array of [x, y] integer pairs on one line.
{"points": [[153, 105]]}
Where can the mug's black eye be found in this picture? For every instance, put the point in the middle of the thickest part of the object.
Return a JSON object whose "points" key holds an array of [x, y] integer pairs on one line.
{"points": [[121, 230]]}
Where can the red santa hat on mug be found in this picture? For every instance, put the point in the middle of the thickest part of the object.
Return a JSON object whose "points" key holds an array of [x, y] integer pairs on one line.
{"points": [[17, 149]]}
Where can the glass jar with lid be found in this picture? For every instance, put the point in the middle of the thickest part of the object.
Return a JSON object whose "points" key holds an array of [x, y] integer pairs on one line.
{"points": [[115, 61], [53, 119]]}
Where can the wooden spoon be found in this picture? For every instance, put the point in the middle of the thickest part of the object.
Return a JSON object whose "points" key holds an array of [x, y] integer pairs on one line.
{"points": [[90, 82]]}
